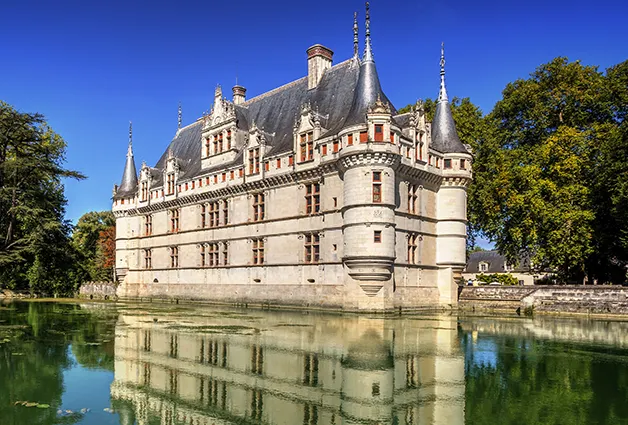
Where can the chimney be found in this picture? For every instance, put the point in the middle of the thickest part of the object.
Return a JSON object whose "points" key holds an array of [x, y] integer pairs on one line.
{"points": [[239, 94], [319, 60]]}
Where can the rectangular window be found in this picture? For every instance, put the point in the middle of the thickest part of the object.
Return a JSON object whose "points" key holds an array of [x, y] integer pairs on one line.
{"points": [[174, 257], [170, 184], [350, 139], [267, 166], [258, 251], [291, 160], [278, 163], [224, 177], [447, 164], [144, 191], [203, 216], [312, 247], [336, 146], [186, 186], [174, 220], [215, 145], [377, 236], [212, 255], [377, 187], [207, 147], [324, 150], [392, 137], [216, 179], [214, 214], [148, 225], [225, 212], [412, 248], [463, 164], [258, 207], [203, 255], [193, 183], [225, 254], [312, 198], [254, 161], [241, 172], [364, 136], [307, 146], [231, 175], [220, 145], [148, 260], [229, 139], [379, 133], [207, 181], [412, 199]]}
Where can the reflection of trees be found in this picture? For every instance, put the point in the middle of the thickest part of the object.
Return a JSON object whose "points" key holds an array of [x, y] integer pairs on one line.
{"points": [[33, 359], [544, 382]]}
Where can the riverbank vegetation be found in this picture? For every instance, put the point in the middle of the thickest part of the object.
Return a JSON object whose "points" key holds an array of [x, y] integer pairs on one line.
{"points": [[551, 170], [40, 251]]}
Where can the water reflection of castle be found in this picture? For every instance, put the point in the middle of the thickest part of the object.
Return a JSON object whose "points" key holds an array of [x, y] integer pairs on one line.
{"points": [[287, 369]]}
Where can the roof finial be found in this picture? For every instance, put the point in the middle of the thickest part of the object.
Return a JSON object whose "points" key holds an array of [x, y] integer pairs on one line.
{"points": [[355, 34], [180, 116], [130, 151], [442, 96], [368, 54]]}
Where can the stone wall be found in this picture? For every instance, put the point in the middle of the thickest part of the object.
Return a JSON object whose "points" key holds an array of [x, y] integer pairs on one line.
{"points": [[548, 299], [98, 290]]}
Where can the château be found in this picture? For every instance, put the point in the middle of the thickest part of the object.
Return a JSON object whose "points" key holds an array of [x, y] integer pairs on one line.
{"points": [[317, 193]]}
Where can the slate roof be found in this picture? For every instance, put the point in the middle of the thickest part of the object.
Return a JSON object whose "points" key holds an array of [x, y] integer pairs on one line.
{"points": [[444, 135], [495, 263], [128, 184]]}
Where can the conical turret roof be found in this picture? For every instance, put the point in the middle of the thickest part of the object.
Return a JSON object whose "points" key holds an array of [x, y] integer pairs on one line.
{"points": [[444, 135], [128, 184]]}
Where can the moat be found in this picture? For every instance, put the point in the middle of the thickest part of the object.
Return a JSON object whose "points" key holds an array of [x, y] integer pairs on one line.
{"points": [[106, 363]]}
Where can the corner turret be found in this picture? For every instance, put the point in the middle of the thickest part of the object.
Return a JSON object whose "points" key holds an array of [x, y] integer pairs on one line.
{"points": [[128, 184]]}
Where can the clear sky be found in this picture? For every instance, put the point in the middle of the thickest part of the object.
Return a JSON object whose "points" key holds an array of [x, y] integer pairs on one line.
{"points": [[91, 66]]}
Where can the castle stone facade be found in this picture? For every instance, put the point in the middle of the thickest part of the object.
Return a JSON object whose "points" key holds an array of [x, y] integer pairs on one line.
{"points": [[316, 194]]}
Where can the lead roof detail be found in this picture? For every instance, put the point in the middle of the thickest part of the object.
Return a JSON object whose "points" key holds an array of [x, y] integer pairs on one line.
{"points": [[444, 135], [128, 184]]}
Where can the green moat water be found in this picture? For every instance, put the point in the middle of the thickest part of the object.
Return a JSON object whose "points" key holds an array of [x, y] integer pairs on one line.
{"points": [[65, 363]]}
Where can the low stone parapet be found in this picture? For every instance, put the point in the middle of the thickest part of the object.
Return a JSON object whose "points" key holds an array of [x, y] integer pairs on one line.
{"points": [[552, 299], [98, 290]]}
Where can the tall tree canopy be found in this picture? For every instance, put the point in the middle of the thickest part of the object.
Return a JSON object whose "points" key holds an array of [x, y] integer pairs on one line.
{"points": [[94, 238], [34, 236]]}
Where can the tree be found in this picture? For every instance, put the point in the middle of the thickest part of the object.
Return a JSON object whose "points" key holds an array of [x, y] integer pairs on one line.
{"points": [[94, 240], [34, 236], [532, 194]]}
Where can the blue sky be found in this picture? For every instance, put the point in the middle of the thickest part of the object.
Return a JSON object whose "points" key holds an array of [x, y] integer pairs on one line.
{"points": [[90, 67]]}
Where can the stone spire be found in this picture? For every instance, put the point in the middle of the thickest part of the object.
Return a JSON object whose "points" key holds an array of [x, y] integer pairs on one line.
{"points": [[355, 35], [368, 53], [444, 135], [179, 117], [128, 184]]}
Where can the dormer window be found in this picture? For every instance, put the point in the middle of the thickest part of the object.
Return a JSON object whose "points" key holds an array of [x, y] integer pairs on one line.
{"points": [[144, 191], [483, 267], [170, 184], [307, 146], [508, 267], [379, 132], [254, 161]]}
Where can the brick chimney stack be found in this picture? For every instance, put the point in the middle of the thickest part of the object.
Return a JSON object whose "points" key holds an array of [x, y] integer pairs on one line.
{"points": [[319, 59], [239, 94]]}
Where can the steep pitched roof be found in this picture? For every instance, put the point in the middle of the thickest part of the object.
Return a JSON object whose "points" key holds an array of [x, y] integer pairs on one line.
{"points": [[495, 261], [128, 184]]}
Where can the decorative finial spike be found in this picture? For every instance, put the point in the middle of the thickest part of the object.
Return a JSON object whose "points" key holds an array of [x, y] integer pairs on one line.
{"points": [[368, 53], [180, 116], [442, 96], [130, 132], [355, 34]]}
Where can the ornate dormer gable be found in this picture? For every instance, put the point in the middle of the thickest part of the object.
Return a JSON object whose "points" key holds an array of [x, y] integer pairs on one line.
{"points": [[378, 119], [220, 139], [307, 128], [146, 179], [171, 174], [417, 130], [256, 146]]}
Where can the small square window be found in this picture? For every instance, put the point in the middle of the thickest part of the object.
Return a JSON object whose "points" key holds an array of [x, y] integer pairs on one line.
{"points": [[377, 176], [447, 164], [377, 236]]}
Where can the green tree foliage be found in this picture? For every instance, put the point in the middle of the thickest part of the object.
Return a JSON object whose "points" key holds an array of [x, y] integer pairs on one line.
{"points": [[86, 239], [548, 178], [35, 252], [501, 278]]}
